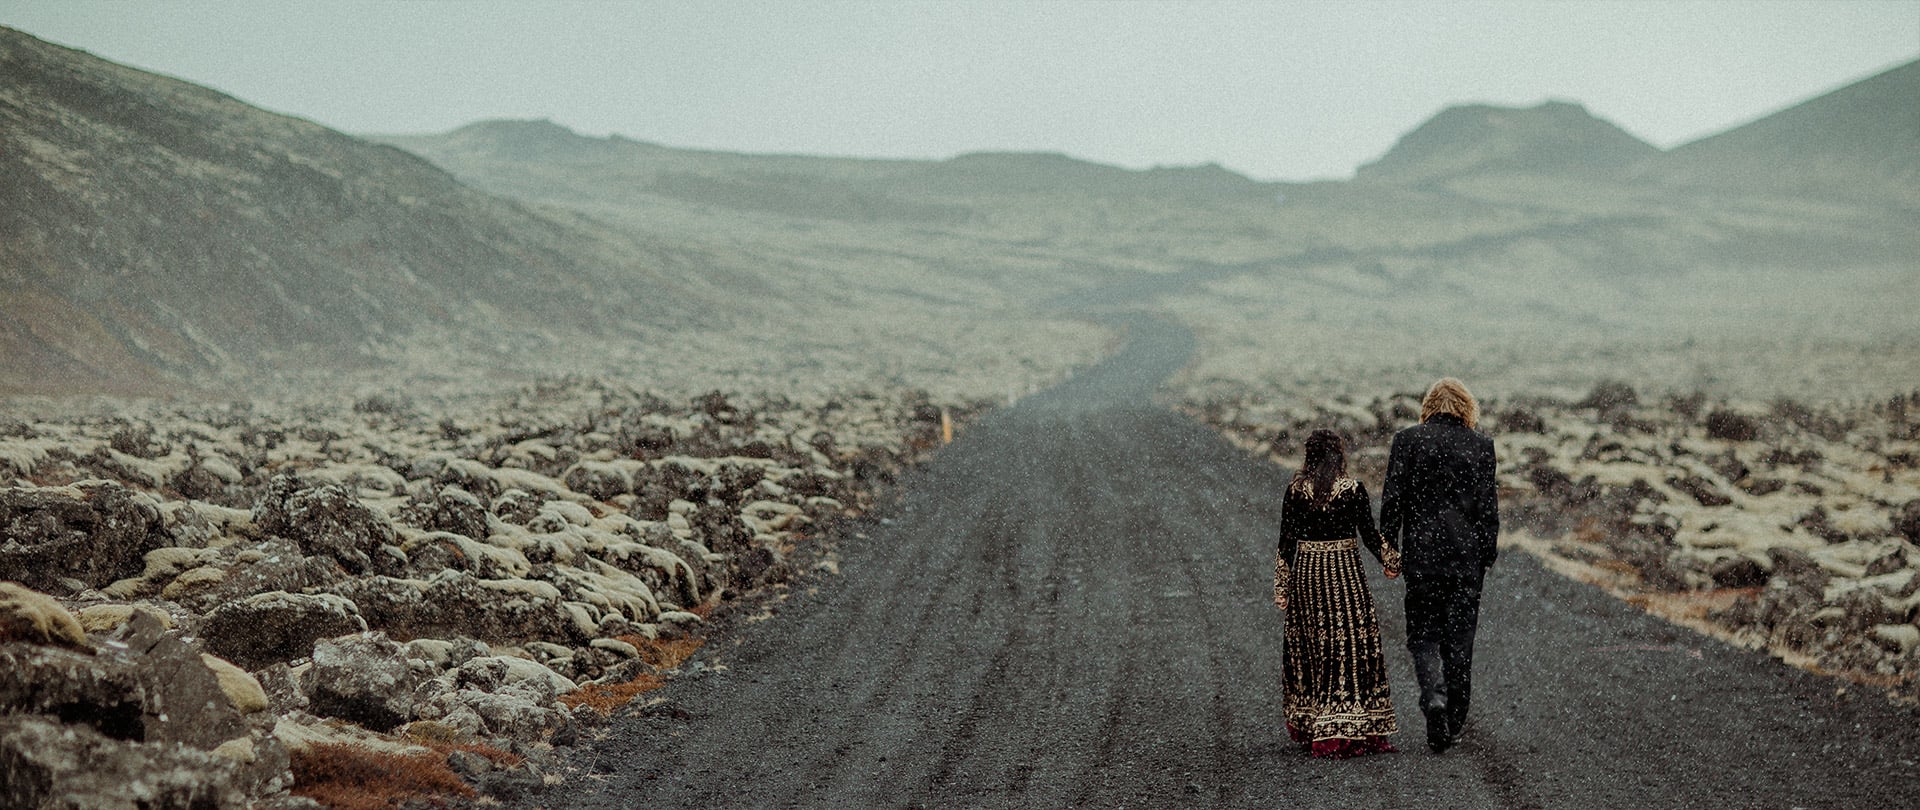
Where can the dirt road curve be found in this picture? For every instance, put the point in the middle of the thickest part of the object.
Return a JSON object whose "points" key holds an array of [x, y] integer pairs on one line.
{"points": [[1071, 608]]}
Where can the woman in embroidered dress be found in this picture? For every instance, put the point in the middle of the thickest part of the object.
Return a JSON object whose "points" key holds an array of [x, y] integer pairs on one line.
{"points": [[1337, 700]]}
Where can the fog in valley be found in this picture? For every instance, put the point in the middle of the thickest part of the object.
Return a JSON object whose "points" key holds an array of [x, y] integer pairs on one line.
{"points": [[549, 399]]}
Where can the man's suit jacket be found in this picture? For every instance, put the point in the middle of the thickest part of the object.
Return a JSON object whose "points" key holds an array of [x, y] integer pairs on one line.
{"points": [[1440, 499]]}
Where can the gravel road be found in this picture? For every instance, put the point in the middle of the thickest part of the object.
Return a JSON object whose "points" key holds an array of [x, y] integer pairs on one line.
{"points": [[1070, 606]]}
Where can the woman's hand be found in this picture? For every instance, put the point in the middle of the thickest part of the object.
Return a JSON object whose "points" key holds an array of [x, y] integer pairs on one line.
{"points": [[1280, 601], [1393, 573]]}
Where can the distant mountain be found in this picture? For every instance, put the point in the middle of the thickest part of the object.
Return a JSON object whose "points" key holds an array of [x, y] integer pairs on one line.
{"points": [[1864, 137], [153, 231], [1554, 138], [545, 161]]}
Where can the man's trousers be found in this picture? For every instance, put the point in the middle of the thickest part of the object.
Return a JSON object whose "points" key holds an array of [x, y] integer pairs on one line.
{"points": [[1443, 612]]}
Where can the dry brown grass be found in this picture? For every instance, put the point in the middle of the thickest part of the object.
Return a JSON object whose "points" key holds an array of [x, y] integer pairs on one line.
{"points": [[664, 654], [350, 777], [658, 654], [1617, 567], [1691, 606], [605, 697], [500, 758], [1589, 531]]}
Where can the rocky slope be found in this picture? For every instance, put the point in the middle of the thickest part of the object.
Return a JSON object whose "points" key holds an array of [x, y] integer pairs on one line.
{"points": [[152, 230], [214, 606]]}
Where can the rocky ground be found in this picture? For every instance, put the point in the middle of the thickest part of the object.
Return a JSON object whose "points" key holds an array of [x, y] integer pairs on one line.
{"points": [[1785, 526], [253, 605]]}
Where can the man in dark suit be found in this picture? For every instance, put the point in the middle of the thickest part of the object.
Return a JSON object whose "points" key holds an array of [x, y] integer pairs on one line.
{"points": [[1441, 506]]}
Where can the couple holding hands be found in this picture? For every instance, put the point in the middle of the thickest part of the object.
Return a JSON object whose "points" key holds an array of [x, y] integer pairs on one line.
{"points": [[1439, 521]]}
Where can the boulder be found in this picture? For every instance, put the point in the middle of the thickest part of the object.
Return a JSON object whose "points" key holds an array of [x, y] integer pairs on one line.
{"points": [[1520, 420], [276, 565], [615, 646], [1864, 608], [277, 626], [1906, 521], [242, 690], [452, 603], [1897, 638], [1608, 395], [1729, 465], [35, 618], [1893, 561], [364, 679], [302, 733], [451, 509], [99, 691], [1732, 426], [159, 568], [1858, 654], [1799, 568], [146, 686], [528, 677], [500, 696], [183, 700], [212, 480], [658, 486], [1701, 489], [720, 529], [57, 766], [326, 520], [107, 618], [464, 473], [1738, 571], [282, 686], [446, 654], [600, 480], [518, 506], [196, 586], [95, 532]]}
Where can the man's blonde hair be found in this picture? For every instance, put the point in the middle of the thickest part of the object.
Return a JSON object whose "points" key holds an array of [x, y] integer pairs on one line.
{"points": [[1450, 396]]}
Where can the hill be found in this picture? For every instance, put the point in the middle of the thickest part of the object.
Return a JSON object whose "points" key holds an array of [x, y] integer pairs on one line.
{"points": [[1554, 138], [1863, 138], [153, 231]]}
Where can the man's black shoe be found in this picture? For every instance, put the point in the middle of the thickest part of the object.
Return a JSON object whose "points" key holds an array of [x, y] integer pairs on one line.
{"points": [[1439, 723]]}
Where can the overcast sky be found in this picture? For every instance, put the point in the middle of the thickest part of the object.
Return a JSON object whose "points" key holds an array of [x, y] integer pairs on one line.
{"points": [[1276, 90]]}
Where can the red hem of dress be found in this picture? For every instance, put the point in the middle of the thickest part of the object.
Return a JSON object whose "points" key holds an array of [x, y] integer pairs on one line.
{"points": [[1340, 748]]}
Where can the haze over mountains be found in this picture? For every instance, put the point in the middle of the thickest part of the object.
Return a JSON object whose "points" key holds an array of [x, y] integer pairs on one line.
{"points": [[155, 235]]}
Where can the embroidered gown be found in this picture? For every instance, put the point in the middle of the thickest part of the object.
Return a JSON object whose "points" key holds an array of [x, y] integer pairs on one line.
{"points": [[1337, 696]]}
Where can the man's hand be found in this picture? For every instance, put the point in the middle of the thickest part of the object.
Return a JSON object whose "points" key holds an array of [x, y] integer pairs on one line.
{"points": [[1393, 573], [1280, 601]]}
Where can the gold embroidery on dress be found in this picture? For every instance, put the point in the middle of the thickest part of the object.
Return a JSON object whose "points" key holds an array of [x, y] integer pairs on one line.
{"points": [[1336, 685], [1341, 486]]}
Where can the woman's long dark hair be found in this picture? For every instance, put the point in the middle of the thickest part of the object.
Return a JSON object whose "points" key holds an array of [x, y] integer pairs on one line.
{"points": [[1325, 463]]}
